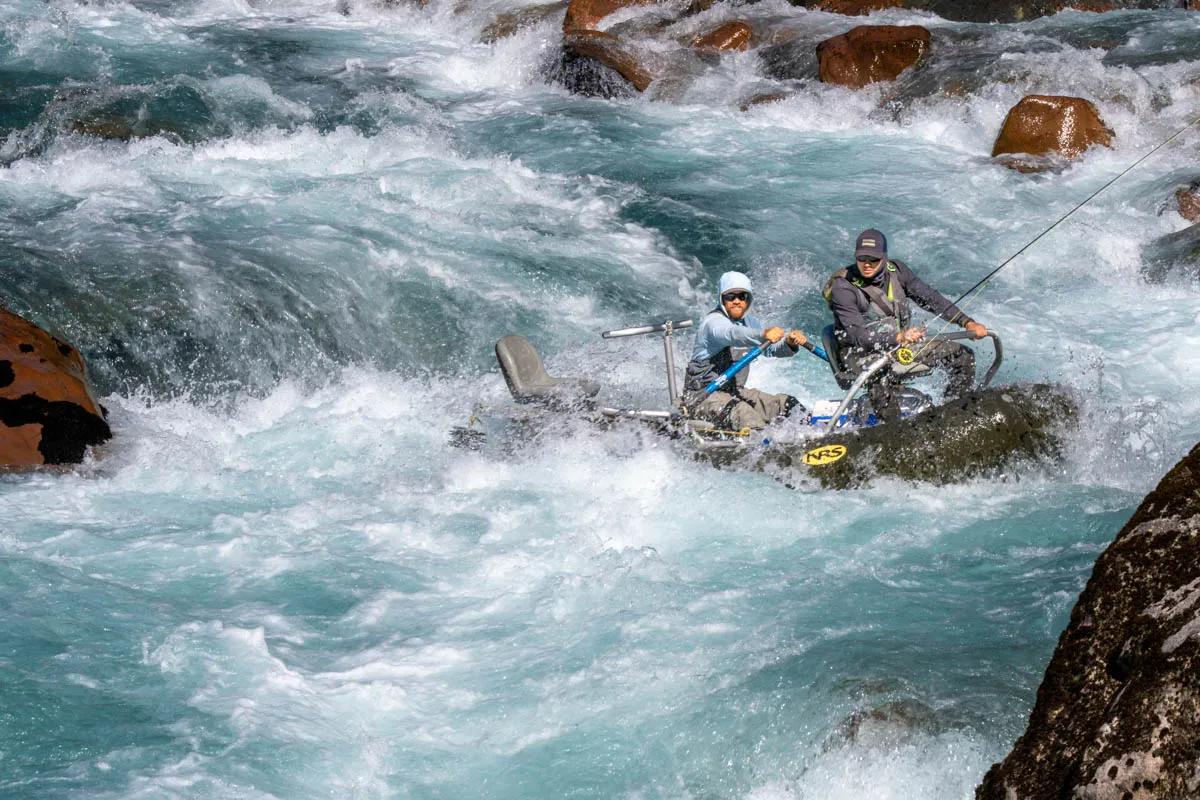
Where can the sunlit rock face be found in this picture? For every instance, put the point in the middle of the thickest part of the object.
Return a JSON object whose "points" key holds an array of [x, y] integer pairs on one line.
{"points": [[47, 412], [1118, 710], [871, 53], [735, 35], [1045, 125]]}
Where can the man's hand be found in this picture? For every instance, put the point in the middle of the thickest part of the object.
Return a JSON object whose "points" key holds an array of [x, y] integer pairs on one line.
{"points": [[773, 334], [796, 338], [976, 330], [910, 335]]}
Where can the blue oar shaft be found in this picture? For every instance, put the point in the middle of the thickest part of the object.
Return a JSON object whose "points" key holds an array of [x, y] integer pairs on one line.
{"points": [[737, 367]]}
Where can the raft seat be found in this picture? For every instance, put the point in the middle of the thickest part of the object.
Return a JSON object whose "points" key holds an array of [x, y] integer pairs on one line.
{"points": [[529, 382]]}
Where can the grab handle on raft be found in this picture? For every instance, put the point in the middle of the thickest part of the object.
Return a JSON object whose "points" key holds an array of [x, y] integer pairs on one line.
{"points": [[657, 327], [886, 358]]}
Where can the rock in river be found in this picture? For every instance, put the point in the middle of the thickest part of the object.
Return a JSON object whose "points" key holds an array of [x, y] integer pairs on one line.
{"points": [[1118, 710]]}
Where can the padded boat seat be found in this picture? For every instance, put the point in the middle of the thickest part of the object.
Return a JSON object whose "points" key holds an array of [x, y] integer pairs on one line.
{"points": [[529, 382], [844, 377]]}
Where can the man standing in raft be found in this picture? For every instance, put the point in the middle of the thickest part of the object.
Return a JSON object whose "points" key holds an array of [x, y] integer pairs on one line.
{"points": [[725, 335], [871, 314]]}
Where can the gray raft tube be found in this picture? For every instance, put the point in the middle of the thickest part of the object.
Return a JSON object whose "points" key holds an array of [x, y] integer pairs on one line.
{"points": [[886, 358]]}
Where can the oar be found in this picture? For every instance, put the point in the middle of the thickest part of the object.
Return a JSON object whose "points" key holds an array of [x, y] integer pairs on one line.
{"points": [[724, 377]]}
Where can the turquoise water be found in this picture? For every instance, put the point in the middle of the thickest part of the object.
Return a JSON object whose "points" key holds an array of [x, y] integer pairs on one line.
{"points": [[278, 581]]}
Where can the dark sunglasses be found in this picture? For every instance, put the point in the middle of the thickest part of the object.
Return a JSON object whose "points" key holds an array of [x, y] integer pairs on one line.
{"points": [[868, 260], [743, 296]]}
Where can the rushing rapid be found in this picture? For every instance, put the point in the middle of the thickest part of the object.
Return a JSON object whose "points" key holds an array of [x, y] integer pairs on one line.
{"points": [[287, 236]]}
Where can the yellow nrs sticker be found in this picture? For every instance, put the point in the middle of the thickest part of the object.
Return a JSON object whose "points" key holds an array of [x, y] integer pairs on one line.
{"points": [[820, 456], [905, 356]]}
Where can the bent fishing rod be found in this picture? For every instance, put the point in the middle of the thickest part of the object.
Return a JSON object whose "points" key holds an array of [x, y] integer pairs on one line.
{"points": [[984, 280]]}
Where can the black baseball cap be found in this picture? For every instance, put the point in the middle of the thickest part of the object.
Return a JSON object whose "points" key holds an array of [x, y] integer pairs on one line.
{"points": [[871, 243]]}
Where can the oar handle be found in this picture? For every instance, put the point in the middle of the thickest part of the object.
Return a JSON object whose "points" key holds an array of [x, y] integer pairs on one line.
{"points": [[737, 367]]}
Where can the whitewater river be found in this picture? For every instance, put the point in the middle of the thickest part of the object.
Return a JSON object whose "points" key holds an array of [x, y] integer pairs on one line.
{"points": [[279, 581]]}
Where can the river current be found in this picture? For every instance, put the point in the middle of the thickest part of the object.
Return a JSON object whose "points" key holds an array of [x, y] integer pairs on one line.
{"points": [[279, 581]]}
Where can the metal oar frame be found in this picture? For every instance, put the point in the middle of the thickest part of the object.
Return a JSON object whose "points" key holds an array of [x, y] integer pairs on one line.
{"points": [[667, 329]]}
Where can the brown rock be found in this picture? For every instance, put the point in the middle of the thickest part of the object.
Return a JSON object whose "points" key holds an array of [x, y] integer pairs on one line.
{"points": [[507, 24], [871, 53], [735, 35], [1188, 200], [1119, 707], [585, 15], [1096, 6], [1043, 125], [607, 50], [48, 414], [856, 8]]}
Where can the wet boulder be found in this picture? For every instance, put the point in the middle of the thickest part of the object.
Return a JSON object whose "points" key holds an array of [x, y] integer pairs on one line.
{"points": [[509, 23], [48, 414], [595, 63], [1177, 254], [870, 53], [585, 15], [1187, 200], [1119, 706], [1045, 125], [734, 35]]}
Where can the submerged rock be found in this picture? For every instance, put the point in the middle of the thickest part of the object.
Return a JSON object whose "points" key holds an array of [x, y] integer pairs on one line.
{"points": [[870, 53], [1175, 254], [1118, 710], [1046, 125], [48, 414]]}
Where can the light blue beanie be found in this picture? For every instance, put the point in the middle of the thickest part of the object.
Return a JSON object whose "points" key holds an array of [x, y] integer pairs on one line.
{"points": [[733, 280]]}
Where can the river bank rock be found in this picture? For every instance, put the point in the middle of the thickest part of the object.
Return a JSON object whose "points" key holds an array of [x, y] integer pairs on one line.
{"points": [[1118, 710], [1176, 254], [870, 53], [48, 414], [1044, 125]]}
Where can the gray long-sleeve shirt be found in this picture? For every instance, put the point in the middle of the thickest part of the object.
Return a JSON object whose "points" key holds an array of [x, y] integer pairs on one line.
{"points": [[717, 337], [851, 306]]}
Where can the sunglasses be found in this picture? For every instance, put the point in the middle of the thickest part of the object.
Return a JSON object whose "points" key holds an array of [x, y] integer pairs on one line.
{"points": [[868, 260], [743, 296]]}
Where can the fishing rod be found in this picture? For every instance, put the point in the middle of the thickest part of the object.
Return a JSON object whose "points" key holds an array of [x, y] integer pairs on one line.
{"points": [[982, 281]]}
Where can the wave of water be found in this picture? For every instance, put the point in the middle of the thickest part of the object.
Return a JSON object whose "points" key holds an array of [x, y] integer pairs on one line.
{"points": [[279, 582]]}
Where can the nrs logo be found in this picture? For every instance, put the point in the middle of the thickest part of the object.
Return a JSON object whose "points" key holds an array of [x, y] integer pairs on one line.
{"points": [[820, 456]]}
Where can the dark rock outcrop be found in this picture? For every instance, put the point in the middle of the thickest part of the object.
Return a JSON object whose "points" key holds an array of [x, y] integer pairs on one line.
{"points": [[870, 53], [1118, 711], [855, 8], [47, 412], [1045, 125], [735, 35]]}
